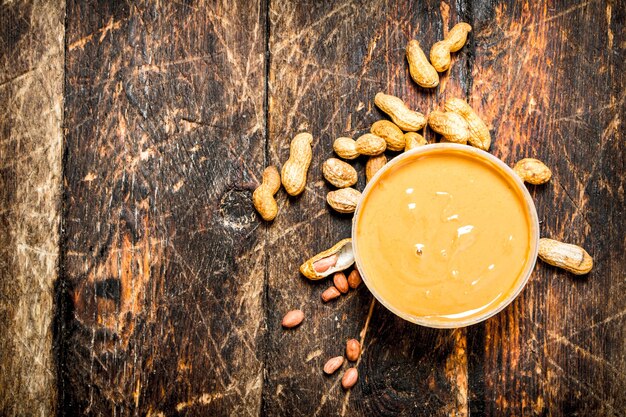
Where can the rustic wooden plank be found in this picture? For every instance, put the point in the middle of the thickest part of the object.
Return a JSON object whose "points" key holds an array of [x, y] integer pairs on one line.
{"points": [[549, 78], [161, 306], [328, 60], [31, 97]]}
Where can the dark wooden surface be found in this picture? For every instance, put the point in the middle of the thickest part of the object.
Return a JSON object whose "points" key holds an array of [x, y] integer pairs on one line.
{"points": [[31, 115], [163, 293]]}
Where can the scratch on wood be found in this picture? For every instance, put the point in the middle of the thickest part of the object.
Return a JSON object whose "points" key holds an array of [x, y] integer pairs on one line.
{"points": [[204, 399], [558, 338], [306, 30], [110, 26], [609, 15], [583, 385]]}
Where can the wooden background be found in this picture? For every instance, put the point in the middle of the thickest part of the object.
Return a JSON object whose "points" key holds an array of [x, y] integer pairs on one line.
{"points": [[136, 278]]}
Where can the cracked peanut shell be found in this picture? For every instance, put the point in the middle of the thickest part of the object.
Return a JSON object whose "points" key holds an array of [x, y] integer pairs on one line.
{"points": [[341, 254]]}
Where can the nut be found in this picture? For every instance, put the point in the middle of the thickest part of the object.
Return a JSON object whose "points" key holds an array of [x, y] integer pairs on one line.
{"points": [[391, 133], [341, 282], [293, 318], [325, 264], [440, 52], [349, 378], [263, 196], [333, 364], [479, 132], [337, 258], [450, 125], [295, 169], [354, 279], [572, 258], [532, 171], [374, 164], [330, 294], [370, 144], [405, 118], [339, 173], [413, 140], [353, 350], [345, 148], [344, 200], [421, 71]]}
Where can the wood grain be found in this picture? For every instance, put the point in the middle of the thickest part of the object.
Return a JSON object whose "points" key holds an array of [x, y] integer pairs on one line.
{"points": [[161, 295], [549, 79], [31, 97], [170, 287]]}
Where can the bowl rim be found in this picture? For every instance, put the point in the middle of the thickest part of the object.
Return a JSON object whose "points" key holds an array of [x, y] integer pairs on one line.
{"points": [[534, 234]]}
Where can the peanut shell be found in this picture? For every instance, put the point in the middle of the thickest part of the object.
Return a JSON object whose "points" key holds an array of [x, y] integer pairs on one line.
{"points": [[479, 132], [454, 41], [344, 200], [295, 169], [390, 132], [422, 72], [450, 125], [413, 140], [339, 173], [405, 118], [373, 165], [370, 144], [263, 196], [345, 148], [572, 258], [532, 171], [345, 259]]}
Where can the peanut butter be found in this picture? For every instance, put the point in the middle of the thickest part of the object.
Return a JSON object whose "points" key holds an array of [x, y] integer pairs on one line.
{"points": [[444, 236]]}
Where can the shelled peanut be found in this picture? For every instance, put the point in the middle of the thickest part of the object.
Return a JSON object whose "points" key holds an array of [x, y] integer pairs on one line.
{"points": [[330, 294], [354, 278], [292, 319], [341, 282], [349, 378], [342, 285], [353, 350], [333, 364]]}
